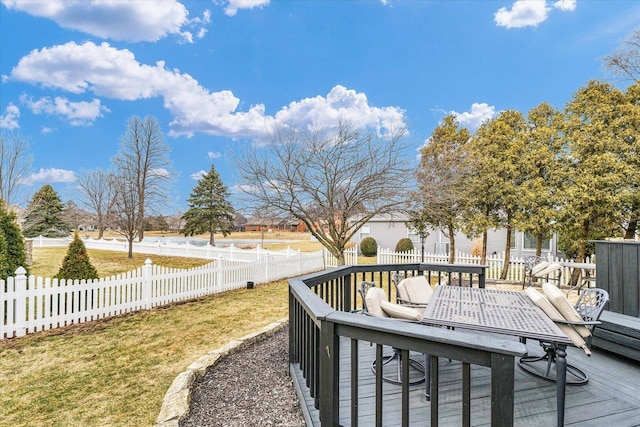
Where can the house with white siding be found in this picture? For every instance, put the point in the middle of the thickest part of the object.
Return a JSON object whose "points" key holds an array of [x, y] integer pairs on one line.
{"points": [[387, 230]]}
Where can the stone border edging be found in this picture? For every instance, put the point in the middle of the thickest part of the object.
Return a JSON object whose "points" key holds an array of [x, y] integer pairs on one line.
{"points": [[175, 405]]}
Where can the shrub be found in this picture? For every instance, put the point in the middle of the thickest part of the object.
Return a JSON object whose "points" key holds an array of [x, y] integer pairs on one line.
{"points": [[369, 246], [13, 253], [76, 264], [404, 245], [476, 248]]}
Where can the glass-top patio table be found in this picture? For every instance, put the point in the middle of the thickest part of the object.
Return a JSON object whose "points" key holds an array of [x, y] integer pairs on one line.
{"points": [[502, 312]]}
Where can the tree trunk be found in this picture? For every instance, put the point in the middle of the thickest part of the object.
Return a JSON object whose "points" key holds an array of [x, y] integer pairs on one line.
{"points": [[507, 255], [484, 247], [130, 240], [539, 244], [630, 231], [452, 245], [212, 241]]}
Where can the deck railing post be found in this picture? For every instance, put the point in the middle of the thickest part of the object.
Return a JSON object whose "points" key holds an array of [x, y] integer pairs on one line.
{"points": [[347, 293], [502, 389], [329, 356]]}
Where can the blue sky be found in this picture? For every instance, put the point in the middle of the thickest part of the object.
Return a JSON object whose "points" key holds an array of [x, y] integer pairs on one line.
{"points": [[218, 74]]}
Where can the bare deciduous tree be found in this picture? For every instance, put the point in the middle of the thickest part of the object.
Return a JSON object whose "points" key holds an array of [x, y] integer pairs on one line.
{"points": [[333, 183], [97, 195], [143, 159], [626, 60], [73, 215], [126, 213], [15, 161]]}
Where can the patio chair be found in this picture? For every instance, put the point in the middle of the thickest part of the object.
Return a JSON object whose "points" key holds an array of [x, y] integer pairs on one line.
{"points": [[374, 303], [542, 270], [577, 322], [413, 292]]}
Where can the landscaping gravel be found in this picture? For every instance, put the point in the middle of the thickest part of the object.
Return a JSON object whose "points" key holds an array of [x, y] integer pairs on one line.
{"points": [[251, 387]]}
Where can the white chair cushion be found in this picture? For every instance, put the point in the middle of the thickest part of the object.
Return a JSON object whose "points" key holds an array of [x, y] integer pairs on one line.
{"points": [[415, 289], [568, 311], [399, 311], [402, 291], [546, 306], [538, 267], [373, 300], [548, 269]]}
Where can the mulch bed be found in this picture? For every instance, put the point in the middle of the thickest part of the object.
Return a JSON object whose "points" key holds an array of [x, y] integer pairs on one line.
{"points": [[251, 387]]}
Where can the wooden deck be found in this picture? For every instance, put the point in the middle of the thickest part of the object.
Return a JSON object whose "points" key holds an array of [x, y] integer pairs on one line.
{"points": [[611, 398]]}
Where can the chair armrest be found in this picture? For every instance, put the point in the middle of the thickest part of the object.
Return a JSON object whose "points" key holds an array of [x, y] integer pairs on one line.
{"points": [[567, 322], [408, 303]]}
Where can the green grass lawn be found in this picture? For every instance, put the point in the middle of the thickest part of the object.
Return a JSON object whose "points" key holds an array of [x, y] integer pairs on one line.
{"points": [[116, 371]]}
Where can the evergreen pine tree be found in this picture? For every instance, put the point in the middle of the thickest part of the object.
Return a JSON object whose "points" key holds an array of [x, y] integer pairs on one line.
{"points": [[76, 264], [209, 210], [13, 253], [44, 215], [4, 257]]}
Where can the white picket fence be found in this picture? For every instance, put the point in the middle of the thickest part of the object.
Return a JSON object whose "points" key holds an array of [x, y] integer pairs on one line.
{"points": [[31, 304], [169, 248], [350, 257], [494, 263]]}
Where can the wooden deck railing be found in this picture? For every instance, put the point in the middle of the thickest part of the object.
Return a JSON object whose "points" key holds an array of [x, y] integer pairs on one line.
{"points": [[323, 307]]}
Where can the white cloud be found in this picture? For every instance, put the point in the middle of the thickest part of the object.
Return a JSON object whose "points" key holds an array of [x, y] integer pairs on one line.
{"points": [[214, 155], [77, 113], [198, 175], [148, 20], [340, 104], [565, 5], [523, 13], [474, 118], [529, 13], [50, 175], [160, 173], [45, 130], [234, 5], [243, 189], [10, 118], [115, 73]]}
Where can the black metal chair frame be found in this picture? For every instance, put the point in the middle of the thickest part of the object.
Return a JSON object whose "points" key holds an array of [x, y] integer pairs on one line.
{"points": [[397, 354], [529, 263], [589, 306], [396, 279]]}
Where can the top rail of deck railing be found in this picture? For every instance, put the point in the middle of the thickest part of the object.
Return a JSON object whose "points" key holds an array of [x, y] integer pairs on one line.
{"points": [[322, 309]]}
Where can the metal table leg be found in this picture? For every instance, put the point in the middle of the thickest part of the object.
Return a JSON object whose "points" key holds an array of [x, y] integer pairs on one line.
{"points": [[561, 381]]}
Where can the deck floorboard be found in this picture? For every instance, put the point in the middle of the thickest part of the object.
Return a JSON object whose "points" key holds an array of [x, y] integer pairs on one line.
{"points": [[611, 398]]}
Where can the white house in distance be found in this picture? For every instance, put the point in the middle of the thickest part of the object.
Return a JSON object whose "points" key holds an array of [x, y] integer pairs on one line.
{"points": [[387, 230]]}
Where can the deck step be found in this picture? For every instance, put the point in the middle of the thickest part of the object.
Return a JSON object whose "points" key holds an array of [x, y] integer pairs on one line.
{"points": [[618, 334]]}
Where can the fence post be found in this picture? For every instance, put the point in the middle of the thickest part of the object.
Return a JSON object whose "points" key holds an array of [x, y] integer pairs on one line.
{"points": [[299, 262], [219, 275], [266, 267], [146, 284], [21, 302]]}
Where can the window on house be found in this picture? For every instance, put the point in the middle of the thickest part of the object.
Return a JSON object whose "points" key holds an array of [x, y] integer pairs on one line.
{"points": [[530, 242], [413, 234], [513, 239], [365, 231]]}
